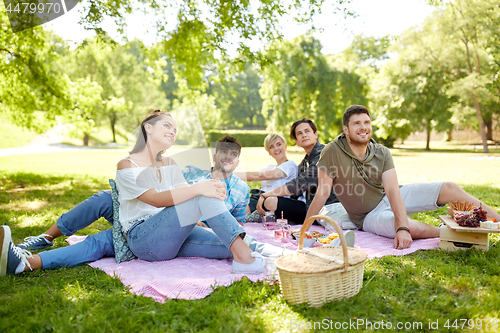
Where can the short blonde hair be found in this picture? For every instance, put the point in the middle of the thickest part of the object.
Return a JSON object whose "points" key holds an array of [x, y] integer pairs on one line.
{"points": [[270, 138]]}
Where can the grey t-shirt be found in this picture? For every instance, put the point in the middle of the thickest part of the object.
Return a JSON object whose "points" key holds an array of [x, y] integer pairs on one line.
{"points": [[357, 183]]}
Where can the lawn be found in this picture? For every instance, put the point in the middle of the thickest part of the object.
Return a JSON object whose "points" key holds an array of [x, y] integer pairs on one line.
{"points": [[12, 135], [417, 289]]}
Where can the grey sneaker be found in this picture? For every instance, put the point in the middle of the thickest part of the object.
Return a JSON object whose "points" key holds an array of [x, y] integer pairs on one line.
{"points": [[36, 242], [13, 259], [253, 217]]}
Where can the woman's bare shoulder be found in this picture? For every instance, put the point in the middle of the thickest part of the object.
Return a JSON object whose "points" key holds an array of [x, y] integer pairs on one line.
{"points": [[124, 164]]}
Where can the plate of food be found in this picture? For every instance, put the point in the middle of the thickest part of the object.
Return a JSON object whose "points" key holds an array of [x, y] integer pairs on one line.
{"points": [[309, 234], [327, 240], [309, 239]]}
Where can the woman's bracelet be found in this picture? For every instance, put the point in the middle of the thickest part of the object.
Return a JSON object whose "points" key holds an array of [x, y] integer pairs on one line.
{"points": [[403, 228]]}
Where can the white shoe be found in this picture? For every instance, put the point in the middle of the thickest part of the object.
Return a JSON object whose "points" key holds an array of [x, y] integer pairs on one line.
{"points": [[257, 267], [349, 238]]}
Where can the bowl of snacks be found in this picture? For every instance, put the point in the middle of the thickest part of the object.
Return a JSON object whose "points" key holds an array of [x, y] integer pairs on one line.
{"points": [[314, 234], [460, 209], [457, 215]]}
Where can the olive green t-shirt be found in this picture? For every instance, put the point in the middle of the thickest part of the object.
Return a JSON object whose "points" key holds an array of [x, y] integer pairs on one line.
{"points": [[357, 183]]}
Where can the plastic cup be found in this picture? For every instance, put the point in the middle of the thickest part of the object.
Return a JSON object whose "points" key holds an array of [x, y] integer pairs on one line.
{"points": [[271, 271]]}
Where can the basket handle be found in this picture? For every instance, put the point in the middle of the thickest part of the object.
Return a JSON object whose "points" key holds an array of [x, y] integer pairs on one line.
{"points": [[343, 242]]}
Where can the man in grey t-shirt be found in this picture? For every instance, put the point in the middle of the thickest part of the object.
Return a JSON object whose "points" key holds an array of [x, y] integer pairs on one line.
{"points": [[363, 171]]}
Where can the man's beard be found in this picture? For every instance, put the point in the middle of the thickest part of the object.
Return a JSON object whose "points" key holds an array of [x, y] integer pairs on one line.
{"points": [[353, 138], [220, 167]]}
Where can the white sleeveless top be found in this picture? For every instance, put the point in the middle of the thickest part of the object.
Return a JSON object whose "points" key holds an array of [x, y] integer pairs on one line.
{"points": [[132, 182]]}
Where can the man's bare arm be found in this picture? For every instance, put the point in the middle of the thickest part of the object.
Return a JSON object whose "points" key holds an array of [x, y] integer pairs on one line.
{"points": [[403, 239], [325, 183]]}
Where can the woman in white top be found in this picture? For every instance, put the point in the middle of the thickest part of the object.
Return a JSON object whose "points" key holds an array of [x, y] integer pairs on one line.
{"points": [[274, 175], [158, 211]]}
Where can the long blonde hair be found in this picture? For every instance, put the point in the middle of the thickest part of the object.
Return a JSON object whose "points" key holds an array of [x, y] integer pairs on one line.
{"points": [[142, 137]]}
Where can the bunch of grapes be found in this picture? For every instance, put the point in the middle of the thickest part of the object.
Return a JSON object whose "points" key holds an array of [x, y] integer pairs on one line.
{"points": [[472, 220]]}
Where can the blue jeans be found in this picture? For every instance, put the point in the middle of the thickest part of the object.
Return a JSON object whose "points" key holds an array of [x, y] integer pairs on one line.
{"points": [[93, 248], [100, 245], [162, 235], [87, 212]]}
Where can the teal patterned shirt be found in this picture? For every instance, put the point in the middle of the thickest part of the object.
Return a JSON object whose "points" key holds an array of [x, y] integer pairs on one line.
{"points": [[237, 191]]}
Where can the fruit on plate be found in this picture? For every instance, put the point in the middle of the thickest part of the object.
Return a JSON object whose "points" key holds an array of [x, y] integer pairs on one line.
{"points": [[474, 218], [491, 219]]}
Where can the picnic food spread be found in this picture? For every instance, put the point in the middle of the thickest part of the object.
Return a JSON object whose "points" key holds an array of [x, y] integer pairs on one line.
{"points": [[468, 215]]}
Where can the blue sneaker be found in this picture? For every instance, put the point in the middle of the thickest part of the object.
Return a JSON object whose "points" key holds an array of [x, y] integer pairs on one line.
{"points": [[35, 242], [13, 260]]}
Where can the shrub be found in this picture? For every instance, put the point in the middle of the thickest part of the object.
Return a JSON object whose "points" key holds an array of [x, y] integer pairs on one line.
{"points": [[247, 138]]}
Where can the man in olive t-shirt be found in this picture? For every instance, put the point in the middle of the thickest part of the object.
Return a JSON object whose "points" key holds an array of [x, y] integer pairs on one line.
{"points": [[351, 176], [363, 176]]}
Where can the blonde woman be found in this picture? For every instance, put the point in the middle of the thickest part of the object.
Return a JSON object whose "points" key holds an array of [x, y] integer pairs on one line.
{"points": [[272, 176]]}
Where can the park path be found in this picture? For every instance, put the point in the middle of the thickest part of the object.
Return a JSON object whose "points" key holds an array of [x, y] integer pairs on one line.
{"points": [[48, 142]]}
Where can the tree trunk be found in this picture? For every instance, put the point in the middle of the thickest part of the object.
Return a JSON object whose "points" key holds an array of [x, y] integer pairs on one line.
{"points": [[482, 130], [489, 129], [112, 121], [449, 135], [86, 139], [429, 130], [251, 121]]}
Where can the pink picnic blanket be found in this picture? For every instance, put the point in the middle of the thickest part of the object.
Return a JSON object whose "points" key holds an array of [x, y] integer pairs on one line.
{"points": [[196, 278]]}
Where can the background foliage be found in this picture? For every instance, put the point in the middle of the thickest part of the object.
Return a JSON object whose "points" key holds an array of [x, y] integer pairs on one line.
{"points": [[434, 77]]}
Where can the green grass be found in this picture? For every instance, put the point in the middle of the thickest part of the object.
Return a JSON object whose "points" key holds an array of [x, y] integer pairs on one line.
{"points": [[424, 286], [100, 137], [12, 136]]}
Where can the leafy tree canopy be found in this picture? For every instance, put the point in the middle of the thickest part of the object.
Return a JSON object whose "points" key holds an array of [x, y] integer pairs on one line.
{"points": [[301, 83], [205, 27], [27, 83], [200, 37]]}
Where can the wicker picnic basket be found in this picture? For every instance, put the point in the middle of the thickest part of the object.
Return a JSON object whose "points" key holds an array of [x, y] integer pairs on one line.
{"points": [[321, 274]]}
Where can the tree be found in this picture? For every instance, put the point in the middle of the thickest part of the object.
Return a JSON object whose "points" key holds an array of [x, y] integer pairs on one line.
{"points": [[413, 94], [196, 113], [199, 38], [130, 80], [27, 82], [464, 30], [204, 27], [301, 83], [115, 107], [86, 96], [369, 49], [238, 97], [444, 68]]}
